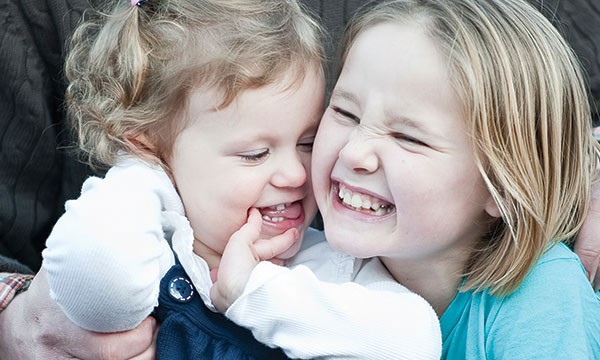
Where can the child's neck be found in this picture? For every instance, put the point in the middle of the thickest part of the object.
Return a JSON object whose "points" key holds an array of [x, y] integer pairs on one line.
{"points": [[436, 281], [212, 258]]}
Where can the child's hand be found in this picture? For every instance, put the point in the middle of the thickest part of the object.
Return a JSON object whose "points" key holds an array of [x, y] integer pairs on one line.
{"points": [[241, 255]]}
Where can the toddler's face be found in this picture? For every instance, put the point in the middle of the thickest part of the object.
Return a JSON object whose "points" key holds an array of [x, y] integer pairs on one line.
{"points": [[256, 152], [393, 168]]}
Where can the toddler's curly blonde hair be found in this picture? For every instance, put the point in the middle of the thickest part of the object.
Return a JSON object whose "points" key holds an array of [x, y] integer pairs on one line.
{"points": [[131, 69]]}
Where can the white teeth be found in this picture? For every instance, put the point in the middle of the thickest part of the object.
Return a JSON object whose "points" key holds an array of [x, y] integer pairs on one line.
{"points": [[365, 202], [356, 201], [381, 211], [273, 219], [278, 207], [347, 199]]}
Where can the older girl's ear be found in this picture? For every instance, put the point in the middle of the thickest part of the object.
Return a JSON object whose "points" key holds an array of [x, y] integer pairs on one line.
{"points": [[491, 208]]}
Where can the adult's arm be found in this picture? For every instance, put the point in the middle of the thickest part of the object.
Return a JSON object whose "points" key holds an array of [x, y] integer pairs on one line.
{"points": [[33, 327], [36, 177]]}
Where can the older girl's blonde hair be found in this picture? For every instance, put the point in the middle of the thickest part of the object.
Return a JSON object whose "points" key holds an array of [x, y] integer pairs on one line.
{"points": [[131, 69], [528, 116]]}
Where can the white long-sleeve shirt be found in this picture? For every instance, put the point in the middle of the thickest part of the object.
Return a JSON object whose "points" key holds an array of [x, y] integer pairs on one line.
{"points": [[328, 304], [106, 255]]}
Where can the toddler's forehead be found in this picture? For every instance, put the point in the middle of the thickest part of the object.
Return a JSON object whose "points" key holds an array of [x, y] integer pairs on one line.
{"points": [[301, 91]]}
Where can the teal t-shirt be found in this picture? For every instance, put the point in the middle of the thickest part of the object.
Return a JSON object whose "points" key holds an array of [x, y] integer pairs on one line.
{"points": [[554, 314]]}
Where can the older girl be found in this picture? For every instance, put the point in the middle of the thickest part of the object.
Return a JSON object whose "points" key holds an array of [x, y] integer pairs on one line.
{"points": [[457, 148]]}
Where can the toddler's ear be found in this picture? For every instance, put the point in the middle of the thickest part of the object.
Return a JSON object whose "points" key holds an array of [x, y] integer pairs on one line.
{"points": [[142, 146]]}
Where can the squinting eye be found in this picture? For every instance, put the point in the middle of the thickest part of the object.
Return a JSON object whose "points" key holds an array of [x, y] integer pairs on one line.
{"points": [[255, 157], [346, 114], [410, 139]]}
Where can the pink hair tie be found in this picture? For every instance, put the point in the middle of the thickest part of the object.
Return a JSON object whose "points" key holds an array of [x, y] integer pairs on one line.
{"points": [[138, 2]]}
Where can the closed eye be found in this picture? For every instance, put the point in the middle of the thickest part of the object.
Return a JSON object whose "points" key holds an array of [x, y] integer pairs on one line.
{"points": [[306, 145], [409, 139], [254, 156], [346, 114]]}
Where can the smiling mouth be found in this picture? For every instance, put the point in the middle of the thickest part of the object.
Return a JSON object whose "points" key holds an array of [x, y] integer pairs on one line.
{"points": [[362, 202], [281, 212]]}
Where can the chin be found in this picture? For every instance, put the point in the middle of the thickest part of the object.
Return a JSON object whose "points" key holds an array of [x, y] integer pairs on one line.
{"points": [[291, 252], [342, 241]]}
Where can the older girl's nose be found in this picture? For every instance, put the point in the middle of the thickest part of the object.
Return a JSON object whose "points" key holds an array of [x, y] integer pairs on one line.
{"points": [[358, 154]]}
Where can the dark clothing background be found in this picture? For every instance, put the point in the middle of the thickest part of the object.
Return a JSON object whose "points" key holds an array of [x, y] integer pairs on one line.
{"points": [[38, 173]]}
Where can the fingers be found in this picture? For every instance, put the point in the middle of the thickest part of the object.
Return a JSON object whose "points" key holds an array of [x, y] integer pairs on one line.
{"points": [[264, 249], [255, 218], [150, 353], [142, 339], [591, 262], [276, 261], [267, 249], [587, 245], [253, 225], [250, 231], [54, 335], [238, 260], [242, 253], [214, 275], [136, 344]]}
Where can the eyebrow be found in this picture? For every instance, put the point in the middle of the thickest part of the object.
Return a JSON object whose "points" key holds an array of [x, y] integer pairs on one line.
{"points": [[392, 118], [346, 95]]}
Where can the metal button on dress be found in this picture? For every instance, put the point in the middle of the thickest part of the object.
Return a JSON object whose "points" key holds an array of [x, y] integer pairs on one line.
{"points": [[181, 289]]}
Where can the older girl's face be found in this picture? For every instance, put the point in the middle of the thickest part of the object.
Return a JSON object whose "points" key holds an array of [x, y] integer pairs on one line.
{"points": [[393, 170]]}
